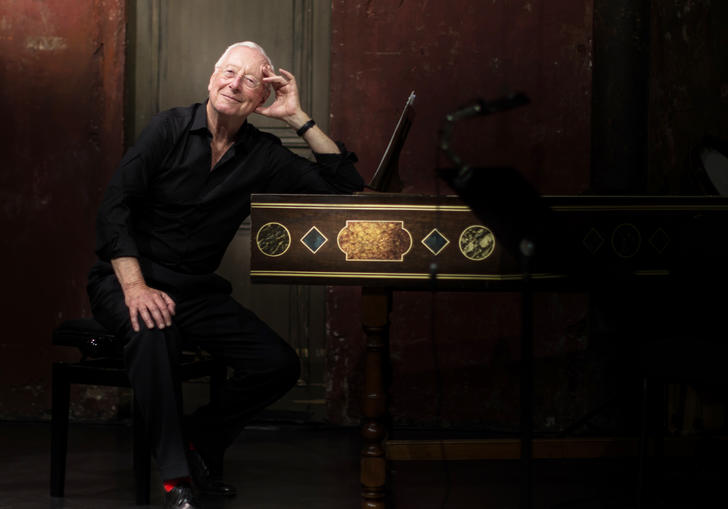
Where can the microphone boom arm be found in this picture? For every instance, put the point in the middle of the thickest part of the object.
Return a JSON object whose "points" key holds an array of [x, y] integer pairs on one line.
{"points": [[477, 108]]}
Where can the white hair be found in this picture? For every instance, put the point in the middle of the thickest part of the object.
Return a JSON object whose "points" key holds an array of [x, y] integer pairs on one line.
{"points": [[247, 44]]}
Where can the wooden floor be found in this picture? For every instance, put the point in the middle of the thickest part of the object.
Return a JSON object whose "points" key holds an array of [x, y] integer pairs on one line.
{"points": [[314, 467]]}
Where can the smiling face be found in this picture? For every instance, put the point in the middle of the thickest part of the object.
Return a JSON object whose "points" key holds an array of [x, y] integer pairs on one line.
{"points": [[236, 87]]}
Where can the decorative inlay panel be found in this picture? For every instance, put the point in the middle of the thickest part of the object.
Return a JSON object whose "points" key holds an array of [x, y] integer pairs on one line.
{"points": [[476, 243], [593, 238], [273, 239], [435, 241], [314, 239], [626, 240], [374, 241]]}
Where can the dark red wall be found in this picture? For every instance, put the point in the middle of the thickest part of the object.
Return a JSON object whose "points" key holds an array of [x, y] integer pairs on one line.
{"points": [[61, 97], [688, 88], [453, 52], [462, 349], [450, 53]]}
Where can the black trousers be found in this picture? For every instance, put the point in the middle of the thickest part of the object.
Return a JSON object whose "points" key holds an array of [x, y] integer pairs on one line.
{"points": [[264, 366]]}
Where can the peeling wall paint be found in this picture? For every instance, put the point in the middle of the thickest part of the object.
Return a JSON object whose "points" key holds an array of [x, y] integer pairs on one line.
{"points": [[45, 43]]}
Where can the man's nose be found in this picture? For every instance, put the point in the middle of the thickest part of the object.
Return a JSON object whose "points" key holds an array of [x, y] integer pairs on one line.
{"points": [[236, 83]]}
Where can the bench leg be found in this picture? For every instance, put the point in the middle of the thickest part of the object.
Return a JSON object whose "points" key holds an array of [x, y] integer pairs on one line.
{"points": [[59, 428]]}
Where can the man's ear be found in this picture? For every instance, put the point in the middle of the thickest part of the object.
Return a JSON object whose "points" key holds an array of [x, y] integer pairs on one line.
{"points": [[209, 84]]}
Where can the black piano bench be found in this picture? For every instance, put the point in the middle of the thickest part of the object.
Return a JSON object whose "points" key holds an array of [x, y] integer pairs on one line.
{"points": [[102, 364]]}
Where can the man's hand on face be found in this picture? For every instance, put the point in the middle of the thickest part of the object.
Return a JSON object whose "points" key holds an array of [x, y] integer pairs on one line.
{"points": [[155, 307], [286, 104]]}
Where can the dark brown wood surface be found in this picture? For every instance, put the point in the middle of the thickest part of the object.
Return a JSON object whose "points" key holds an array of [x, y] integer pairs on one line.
{"points": [[594, 238]]}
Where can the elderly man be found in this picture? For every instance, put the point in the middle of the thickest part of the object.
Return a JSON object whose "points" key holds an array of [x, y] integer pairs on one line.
{"points": [[167, 217]]}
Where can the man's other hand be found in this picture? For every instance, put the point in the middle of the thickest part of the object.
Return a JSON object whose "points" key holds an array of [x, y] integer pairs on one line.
{"points": [[155, 307]]}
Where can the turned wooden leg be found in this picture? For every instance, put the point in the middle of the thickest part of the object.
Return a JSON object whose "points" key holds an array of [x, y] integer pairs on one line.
{"points": [[376, 305]]}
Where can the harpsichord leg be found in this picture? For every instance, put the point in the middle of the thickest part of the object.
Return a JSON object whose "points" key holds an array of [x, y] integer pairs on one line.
{"points": [[376, 305]]}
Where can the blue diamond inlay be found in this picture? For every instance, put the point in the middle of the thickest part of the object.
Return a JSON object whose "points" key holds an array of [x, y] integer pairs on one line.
{"points": [[314, 239], [435, 242]]}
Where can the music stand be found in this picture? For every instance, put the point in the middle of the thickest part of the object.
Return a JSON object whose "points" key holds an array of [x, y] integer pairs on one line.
{"points": [[386, 176]]}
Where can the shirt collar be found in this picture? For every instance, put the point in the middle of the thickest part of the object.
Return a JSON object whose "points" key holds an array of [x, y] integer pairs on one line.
{"points": [[199, 122]]}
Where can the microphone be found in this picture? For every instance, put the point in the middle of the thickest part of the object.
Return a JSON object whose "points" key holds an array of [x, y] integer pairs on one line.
{"points": [[481, 107], [478, 107]]}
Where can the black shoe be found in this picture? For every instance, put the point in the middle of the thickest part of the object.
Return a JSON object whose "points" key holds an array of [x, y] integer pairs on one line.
{"points": [[181, 497], [205, 481]]}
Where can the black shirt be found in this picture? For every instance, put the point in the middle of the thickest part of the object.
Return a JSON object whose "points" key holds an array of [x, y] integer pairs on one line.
{"points": [[164, 204]]}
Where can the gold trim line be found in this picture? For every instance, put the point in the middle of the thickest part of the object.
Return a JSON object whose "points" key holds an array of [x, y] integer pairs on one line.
{"points": [[401, 275], [356, 206]]}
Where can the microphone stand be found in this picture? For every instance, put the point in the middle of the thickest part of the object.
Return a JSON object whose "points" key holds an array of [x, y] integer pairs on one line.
{"points": [[519, 237], [527, 249]]}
